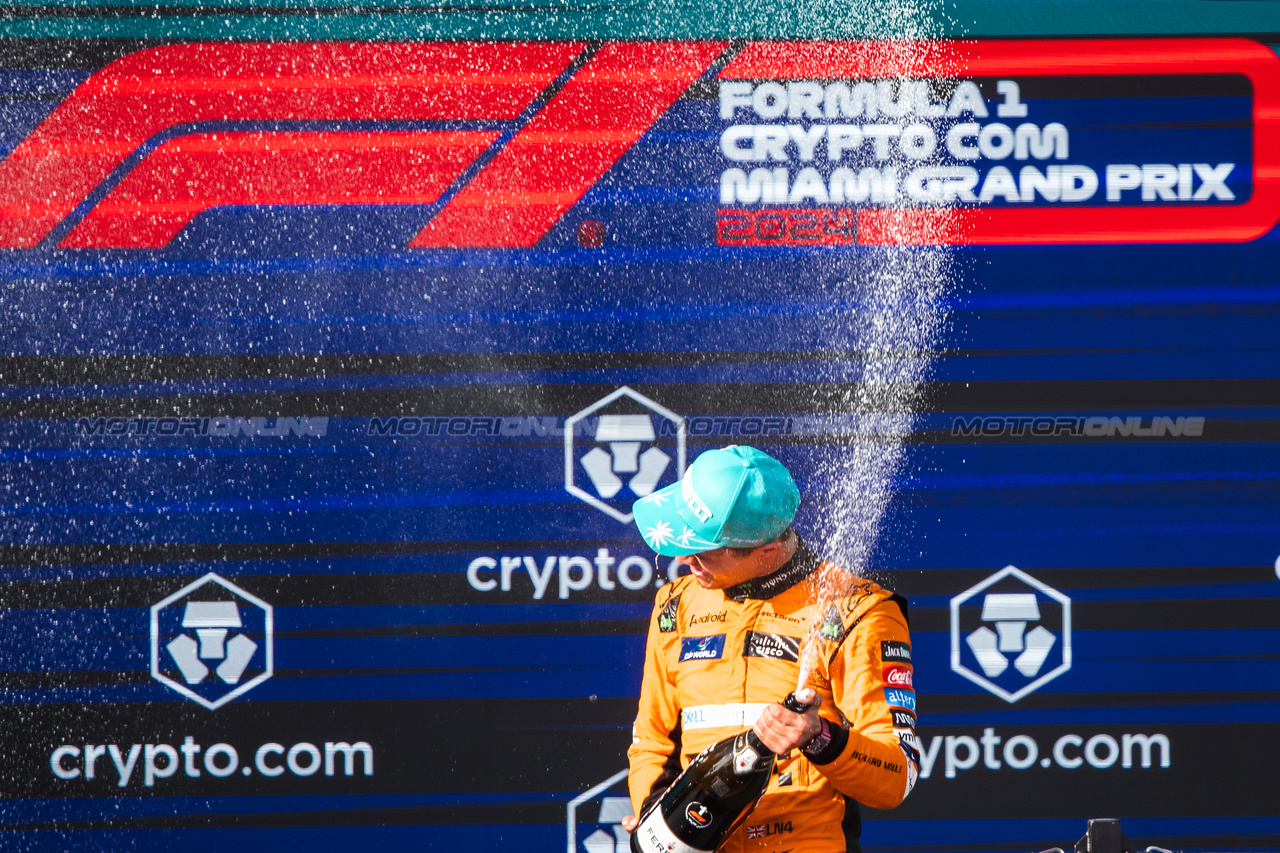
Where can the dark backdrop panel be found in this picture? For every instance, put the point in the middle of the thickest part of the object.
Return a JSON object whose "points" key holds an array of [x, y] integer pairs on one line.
{"points": [[370, 439]]}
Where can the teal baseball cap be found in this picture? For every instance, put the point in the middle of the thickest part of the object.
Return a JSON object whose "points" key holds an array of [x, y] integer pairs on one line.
{"points": [[736, 496]]}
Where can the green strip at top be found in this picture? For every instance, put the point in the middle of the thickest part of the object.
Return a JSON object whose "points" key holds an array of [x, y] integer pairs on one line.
{"points": [[287, 20]]}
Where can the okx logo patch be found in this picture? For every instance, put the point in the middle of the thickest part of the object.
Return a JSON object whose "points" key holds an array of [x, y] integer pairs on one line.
{"points": [[1011, 634], [212, 641]]}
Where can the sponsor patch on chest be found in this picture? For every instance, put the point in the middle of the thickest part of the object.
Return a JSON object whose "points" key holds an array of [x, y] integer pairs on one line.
{"points": [[705, 618], [772, 646], [702, 648], [771, 616], [832, 625], [668, 617]]}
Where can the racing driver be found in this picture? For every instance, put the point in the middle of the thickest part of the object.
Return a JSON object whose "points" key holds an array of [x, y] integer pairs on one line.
{"points": [[725, 646]]}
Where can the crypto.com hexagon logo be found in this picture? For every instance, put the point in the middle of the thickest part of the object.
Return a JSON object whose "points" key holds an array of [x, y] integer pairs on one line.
{"points": [[1031, 641], [599, 830], [627, 455], [203, 641]]}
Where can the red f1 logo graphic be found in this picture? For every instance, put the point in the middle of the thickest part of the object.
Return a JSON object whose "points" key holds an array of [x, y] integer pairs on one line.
{"points": [[136, 143]]}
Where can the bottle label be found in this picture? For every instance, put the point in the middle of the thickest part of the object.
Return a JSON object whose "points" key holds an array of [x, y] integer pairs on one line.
{"points": [[653, 836]]}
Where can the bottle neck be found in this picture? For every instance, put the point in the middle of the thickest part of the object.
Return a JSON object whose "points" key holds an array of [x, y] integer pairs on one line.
{"points": [[791, 703], [753, 741]]}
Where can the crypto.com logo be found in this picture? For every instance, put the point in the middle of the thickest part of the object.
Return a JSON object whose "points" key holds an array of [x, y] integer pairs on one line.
{"points": [[604, 834], [625, 461], [495, 140], [202, 641], [1031, 641]]}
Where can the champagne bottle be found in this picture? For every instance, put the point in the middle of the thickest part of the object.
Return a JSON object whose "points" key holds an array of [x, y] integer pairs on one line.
{"points": [[712, 797]]}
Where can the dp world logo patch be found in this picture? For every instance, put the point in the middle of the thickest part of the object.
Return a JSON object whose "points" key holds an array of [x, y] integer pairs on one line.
{"points": [[211, 641], [629, 447], [1011, 634]]}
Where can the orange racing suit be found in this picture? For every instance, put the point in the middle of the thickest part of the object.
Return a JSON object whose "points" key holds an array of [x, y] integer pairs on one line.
{"points": [[715, 658]]}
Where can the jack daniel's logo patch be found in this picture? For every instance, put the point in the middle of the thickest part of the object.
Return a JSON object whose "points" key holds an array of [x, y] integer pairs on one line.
{"points": [[893, 651]]}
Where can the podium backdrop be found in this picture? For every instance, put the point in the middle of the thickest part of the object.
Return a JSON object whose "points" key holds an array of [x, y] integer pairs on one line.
{"points": [[337, 343]]}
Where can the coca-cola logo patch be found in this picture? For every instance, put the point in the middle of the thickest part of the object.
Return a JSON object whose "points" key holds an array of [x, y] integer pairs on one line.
{"points": [[898, 676]]}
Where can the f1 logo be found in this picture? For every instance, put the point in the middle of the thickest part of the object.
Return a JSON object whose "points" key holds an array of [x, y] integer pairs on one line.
{"points": [[502, 139]]}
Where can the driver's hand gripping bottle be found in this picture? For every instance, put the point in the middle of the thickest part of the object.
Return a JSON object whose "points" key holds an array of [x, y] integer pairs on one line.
{"points": [[712, 797]]}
